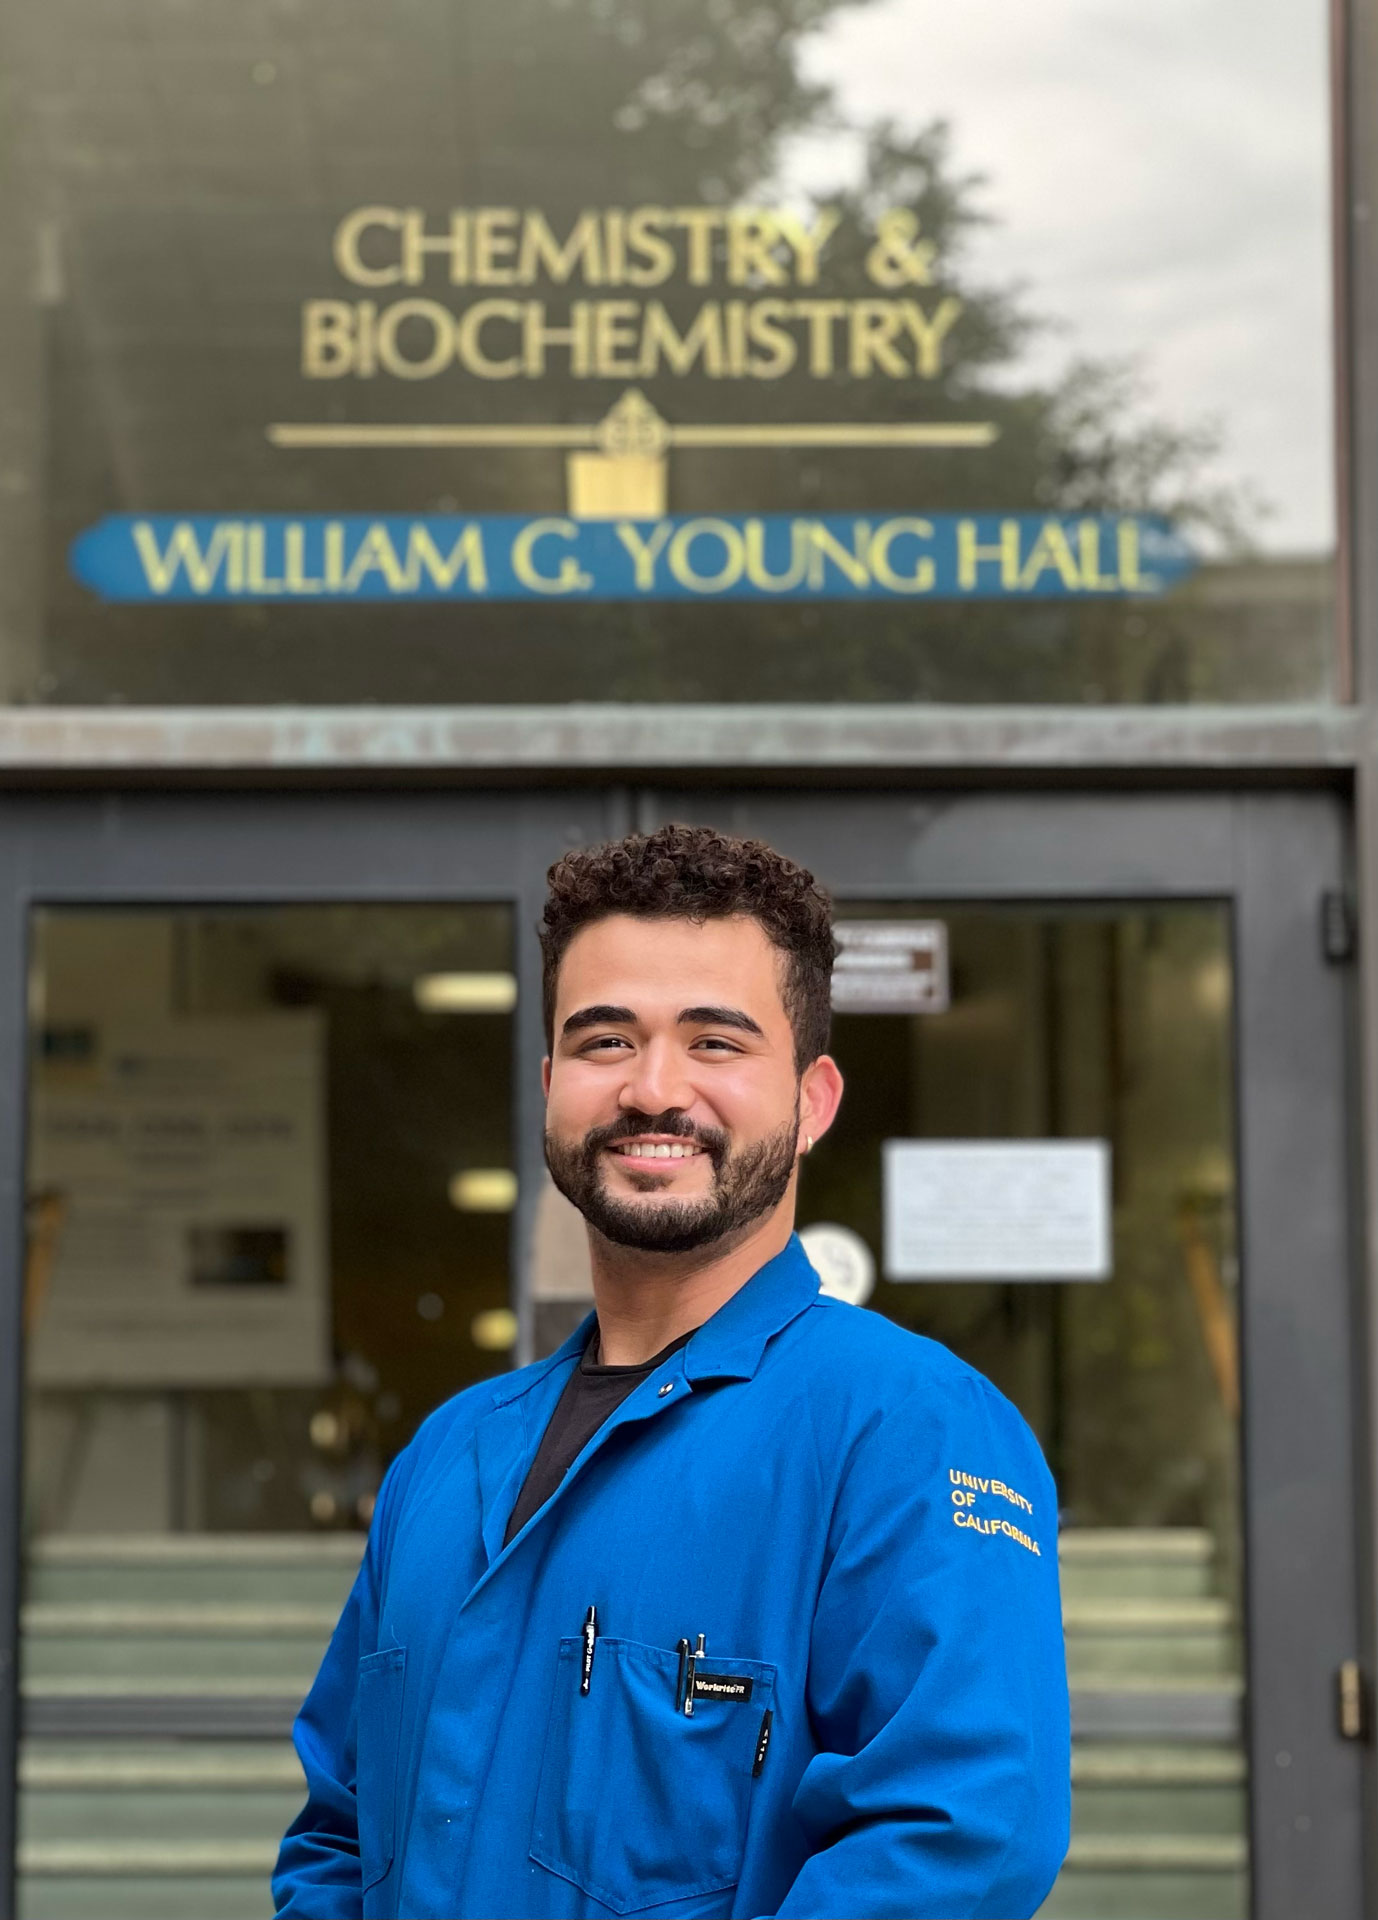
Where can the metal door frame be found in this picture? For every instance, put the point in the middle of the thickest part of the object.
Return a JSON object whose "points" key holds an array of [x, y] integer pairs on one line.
{"points": [[1269, 855]]}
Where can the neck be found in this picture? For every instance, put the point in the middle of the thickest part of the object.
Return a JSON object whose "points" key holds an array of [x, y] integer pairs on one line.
{"points": [[646, 1300]]}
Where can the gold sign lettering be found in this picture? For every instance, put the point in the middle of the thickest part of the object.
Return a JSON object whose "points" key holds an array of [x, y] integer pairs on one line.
{"points": [[764, 329]]}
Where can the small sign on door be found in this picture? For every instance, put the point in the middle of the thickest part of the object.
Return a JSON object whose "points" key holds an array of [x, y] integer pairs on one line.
{"points": [[890, 966]]}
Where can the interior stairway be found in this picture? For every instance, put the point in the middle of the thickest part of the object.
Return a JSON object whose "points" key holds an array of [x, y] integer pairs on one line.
{"points": [[161, 1676], [1159, 1818]]}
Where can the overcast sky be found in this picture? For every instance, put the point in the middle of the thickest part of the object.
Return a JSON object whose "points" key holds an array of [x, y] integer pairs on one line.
{"points": [[1159, 180]]}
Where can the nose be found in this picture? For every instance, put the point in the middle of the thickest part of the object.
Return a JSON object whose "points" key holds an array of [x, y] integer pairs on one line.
{"points": [[656, 1081]]}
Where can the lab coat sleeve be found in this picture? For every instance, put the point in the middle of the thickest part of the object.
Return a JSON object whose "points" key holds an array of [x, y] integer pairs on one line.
{"points": [[318, 1874], [937, 1683]]}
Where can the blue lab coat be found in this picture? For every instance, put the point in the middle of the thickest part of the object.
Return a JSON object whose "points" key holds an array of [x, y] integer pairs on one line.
{"points": [[861, 1528]]}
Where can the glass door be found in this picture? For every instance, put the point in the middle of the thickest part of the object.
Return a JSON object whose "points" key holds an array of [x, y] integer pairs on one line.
{"points": [[274, 1191], [1093, 1141]]}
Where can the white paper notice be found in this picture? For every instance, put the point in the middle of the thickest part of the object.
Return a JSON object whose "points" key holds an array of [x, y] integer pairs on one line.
{"points": [[997, 1210], [189, 1159]]}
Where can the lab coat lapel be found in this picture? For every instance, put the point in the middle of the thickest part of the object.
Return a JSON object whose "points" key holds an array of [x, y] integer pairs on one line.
{"points": [[728, 1347], [500, 1440], [644, 1404], [506, 1437]]}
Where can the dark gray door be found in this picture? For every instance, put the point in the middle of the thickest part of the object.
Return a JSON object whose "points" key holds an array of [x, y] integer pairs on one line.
{"points": [[1043, 888], [1263, 863], [166, 857]]}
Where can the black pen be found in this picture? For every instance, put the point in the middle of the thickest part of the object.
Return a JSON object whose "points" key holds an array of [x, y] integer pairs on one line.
{"points": [[682, 1649], [590, 1639]]}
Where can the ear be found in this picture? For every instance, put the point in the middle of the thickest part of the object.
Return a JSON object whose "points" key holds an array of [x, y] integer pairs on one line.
{"points": [[820, 1096], [545, 1077]]}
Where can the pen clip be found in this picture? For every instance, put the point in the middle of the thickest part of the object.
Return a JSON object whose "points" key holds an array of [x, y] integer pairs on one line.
{"points": [[690, 1664]]}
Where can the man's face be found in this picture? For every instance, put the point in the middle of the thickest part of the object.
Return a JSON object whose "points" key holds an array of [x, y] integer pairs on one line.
{"points": [[673, 1102]]}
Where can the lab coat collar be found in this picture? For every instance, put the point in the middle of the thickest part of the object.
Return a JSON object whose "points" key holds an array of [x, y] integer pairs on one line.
{"points": [[730, 1345], [727, 1347], [529, 1378]]}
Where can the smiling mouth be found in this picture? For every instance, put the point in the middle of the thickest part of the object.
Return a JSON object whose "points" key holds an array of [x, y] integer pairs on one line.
{"points": [[655, 1150]]}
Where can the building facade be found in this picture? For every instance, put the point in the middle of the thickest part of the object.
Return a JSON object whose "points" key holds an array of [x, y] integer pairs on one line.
{"points": [[435, 436]]}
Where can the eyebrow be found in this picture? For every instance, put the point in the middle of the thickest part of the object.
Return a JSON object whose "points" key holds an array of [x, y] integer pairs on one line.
{"points": [[599, 1017], [720, 1017]]}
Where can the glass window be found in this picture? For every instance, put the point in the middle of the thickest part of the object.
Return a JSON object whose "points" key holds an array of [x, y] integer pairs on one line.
{"points": [[1107, 1034], [270, 1193], [542, 350]]}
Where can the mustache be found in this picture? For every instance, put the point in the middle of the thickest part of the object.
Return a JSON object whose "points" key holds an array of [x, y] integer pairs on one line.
{"points": [[673, 1122]]}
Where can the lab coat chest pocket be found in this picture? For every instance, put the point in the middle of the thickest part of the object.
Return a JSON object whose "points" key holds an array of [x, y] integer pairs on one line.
{"points": [[638, 1803], [381, 1678]]}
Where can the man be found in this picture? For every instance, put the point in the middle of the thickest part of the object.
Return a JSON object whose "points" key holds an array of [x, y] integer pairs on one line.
{"points": [[743, 1603]]}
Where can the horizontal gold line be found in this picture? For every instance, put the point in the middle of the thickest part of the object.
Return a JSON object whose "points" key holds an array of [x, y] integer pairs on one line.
{"points": [[284, 434], [962, 433]]}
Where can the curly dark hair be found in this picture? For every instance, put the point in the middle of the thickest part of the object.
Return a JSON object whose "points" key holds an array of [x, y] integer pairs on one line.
{"points": [[696, 873]]}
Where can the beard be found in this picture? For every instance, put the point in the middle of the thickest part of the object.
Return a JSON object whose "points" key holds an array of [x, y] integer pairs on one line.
{"points": [[746, 1184]]}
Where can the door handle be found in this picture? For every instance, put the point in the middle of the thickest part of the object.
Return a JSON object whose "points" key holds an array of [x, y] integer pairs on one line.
{"points": [[1352, 1701]]}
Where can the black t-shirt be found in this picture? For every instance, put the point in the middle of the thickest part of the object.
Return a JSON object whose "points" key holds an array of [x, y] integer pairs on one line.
{"points": [[591, 1395]]}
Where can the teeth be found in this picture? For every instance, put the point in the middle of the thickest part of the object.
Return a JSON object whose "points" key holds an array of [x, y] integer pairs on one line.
{"points": [[656, 1150]]}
